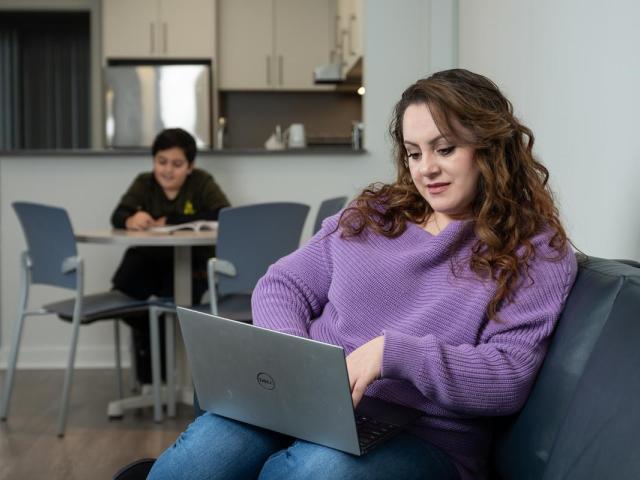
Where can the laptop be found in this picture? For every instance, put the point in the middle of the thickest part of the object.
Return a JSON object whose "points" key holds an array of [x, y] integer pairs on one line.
{"points": [[288, 384]]}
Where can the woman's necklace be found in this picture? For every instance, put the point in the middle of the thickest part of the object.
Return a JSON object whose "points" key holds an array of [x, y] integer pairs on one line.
{"points": [[435, 219], [431, 225]]}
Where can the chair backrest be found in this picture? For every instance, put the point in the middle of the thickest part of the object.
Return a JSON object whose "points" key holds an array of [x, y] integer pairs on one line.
{"points": [[50, 240], [327, 208], [252, 237], [581, 418]]}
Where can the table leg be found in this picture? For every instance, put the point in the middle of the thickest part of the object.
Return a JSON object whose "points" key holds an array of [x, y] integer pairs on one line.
{"points": [[170, 328], [182, 276], [182, 296]]}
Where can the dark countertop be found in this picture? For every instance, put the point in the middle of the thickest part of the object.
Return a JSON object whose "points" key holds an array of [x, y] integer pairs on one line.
{"points": [[320, 150]]}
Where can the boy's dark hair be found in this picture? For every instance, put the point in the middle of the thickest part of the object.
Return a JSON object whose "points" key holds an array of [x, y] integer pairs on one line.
{"points": [[175, 137]]}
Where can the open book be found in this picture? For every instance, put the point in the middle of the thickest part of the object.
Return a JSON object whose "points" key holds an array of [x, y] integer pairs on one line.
{"points": [[196, 226]]}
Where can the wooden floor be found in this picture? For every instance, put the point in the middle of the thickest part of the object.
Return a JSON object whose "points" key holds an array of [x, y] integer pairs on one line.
{"points": [[93, 446]]}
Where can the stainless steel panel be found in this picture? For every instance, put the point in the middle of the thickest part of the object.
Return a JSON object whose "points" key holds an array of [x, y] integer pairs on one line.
{"points": [[142, 100]]}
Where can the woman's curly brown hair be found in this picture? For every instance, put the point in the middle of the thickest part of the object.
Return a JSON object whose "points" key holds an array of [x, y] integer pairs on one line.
{"points": [[514, 201]]}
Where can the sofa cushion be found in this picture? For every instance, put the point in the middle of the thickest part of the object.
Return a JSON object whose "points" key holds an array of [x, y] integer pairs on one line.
{"points": [[570, 426]]}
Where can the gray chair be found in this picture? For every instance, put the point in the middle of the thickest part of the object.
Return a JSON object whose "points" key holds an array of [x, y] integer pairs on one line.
{"points": [[250, 239], [327, 208], [52, 259]]}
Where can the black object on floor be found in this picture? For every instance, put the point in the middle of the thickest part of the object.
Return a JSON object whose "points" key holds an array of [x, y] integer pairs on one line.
{"points": [[137, 470]]}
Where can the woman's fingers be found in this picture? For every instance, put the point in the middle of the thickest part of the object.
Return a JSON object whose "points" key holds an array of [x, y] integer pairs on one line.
{"points": [[363, 366], [357, 392]]}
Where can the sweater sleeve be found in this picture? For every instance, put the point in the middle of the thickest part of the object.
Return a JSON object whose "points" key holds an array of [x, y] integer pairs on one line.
{"points": [[494, 376], [131, 202], [295, 289]]}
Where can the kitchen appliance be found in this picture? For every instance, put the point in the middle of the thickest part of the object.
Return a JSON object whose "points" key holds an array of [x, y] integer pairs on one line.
{"points": [[295, 136], [328, 73], [142, 100], [276, 140], [333, 73]]}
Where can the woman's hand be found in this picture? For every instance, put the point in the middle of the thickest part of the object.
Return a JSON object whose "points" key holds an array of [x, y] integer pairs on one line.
{"points": [[364, 365], [139, 221]]}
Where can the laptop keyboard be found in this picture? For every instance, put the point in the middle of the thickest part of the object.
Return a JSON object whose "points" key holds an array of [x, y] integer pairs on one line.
{"points": [[373, 432]]}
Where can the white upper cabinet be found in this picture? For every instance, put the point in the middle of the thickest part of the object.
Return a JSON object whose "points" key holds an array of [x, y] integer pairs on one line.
{"points": [[188, 28], [273, 44], [303, 39], [129, 29], [158, 28], [245, 47]]}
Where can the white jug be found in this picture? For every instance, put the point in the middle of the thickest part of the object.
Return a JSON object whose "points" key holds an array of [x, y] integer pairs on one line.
{"points": [[295, 136]]}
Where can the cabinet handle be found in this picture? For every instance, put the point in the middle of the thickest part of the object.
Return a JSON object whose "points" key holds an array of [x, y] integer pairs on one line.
{"points": [[152, 32], [268, 69], [165, 36], [280, 62], [352, 20]]}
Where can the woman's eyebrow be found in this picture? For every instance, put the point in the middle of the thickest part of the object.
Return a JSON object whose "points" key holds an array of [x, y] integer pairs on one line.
{"points": [[431, 142]]}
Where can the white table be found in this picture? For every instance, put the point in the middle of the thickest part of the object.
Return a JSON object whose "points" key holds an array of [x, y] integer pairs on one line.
{"points": [[182, 241]]}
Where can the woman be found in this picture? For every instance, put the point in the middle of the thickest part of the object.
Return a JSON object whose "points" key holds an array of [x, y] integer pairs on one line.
{"points": [[442, 287], [174, 192]]}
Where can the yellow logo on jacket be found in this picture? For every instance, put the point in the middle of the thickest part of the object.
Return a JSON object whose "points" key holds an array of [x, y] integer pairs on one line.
{"points": [[188, 208]]}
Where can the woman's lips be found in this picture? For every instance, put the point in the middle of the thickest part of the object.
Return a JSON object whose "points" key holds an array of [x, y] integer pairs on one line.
{"points": [[435, 188]]}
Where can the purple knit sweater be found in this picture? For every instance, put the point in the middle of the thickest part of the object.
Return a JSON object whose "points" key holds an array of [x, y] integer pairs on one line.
{"points": [[440, 355]]}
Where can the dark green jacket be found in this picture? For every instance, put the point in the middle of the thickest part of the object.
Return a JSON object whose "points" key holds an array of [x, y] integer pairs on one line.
{"points": [[200, 198], [146, 271]]}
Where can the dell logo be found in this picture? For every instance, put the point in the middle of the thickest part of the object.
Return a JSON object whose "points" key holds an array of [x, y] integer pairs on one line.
{"points": [[266, 381]]}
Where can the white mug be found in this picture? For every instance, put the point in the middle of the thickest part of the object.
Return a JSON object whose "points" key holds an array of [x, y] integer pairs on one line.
{"points": [[295, 136]]}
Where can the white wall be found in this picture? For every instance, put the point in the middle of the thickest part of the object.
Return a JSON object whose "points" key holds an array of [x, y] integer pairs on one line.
{"points": [[572, 70], [398, 50]]}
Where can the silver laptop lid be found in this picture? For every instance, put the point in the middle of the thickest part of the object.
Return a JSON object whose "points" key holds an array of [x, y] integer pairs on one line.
{"points": [[281, 382]]}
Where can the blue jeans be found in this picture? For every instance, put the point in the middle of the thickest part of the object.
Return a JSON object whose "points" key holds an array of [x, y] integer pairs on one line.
{"points": [[214, 447]]}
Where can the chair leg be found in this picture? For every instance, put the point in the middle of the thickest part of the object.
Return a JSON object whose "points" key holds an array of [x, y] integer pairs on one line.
{"points": [[155, 363], [134, 386], [116, 335], [68, 377], [25, 282], [170, 325], [11, 367]]}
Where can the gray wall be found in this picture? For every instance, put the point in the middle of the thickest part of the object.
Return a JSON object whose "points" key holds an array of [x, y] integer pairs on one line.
{"points": [[572, 70]]}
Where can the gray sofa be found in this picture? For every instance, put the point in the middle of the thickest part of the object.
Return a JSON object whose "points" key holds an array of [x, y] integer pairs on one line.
{"points": [[582, 419]]}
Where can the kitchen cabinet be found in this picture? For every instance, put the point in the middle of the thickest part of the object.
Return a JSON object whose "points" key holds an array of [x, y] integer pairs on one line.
{"points": [[273, 44], [348, 30], [245, 44], [177, 29]]}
